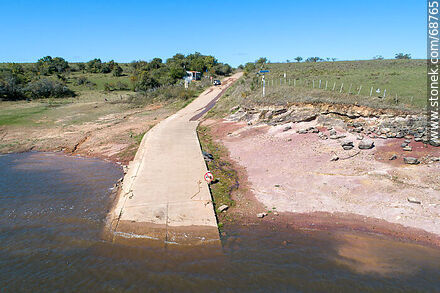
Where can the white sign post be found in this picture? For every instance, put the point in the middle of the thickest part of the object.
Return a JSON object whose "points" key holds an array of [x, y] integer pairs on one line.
{"points": [[264, 81], [264, 86]]}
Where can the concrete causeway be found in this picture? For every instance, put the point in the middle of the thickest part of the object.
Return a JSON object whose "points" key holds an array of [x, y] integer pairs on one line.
{"points": [[164, 196]]}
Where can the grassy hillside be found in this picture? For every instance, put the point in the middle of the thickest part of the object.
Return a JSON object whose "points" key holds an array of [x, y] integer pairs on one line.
{"points": [[404, 78]]}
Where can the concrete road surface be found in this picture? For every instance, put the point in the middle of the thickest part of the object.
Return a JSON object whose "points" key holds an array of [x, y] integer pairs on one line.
{"points": [[164, 195]]}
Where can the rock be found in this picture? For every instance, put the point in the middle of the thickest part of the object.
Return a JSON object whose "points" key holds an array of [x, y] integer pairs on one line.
{"points": [[385, 130], [403, 145], [407, 148], [222, 208], [261, 215], [393, 157], [314, 130], [287, 128], [359, 137], [322, 136], [408, 136], [334, 158], [391, 135], [234, 109], [347, 145], [366, 145], [302, 131], [435, 159], [275, 213], [337, 136], [413, 200], [207, 156], [418, 139], [411, 160], [434, 143], [383, 136], [332, 132], [407, 140]]}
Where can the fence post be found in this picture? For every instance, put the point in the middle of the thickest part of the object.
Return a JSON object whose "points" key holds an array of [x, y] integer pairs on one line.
{"points": [[342, 85], [412, 99], [294, 82], [349, 90], [397, 101], [313, 83], [319, 83], [371, 91], [326, 84], [384, 93], [359, 92], [334, 86]]}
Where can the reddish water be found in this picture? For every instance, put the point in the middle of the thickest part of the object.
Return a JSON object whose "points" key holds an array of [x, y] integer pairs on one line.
{"points": [[52, 211]]}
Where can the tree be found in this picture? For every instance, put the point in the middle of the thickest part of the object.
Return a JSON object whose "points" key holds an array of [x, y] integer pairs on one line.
{"points": [[334, 59], [48, 65], [298, 59], [261, 61], [117, 70], [94, 66], [378, 57], [403, 56], [81, 67], [314, 59]]}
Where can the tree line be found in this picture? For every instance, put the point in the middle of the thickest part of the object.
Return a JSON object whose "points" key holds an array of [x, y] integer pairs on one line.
{"points": [[47, 77]]}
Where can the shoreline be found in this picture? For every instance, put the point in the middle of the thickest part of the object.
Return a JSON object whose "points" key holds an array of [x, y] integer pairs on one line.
{"points": [[247, 206]]}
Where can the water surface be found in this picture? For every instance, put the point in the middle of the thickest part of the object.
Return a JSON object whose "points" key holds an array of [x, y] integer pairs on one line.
{"points": [[52, 210]]}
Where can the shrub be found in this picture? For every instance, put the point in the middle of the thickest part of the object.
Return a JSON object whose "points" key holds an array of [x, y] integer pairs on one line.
{"points": [[47, 88]]}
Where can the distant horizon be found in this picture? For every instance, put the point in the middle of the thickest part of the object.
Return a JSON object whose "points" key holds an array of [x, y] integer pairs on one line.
{"points": [[164, 60], [235, 32]]}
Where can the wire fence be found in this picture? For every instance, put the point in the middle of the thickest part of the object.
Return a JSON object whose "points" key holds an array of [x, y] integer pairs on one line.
{"points": [[386, 95]]}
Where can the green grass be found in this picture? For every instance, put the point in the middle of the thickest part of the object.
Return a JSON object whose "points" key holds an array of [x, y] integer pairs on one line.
{"points": [[220, 168], [404, 78], [21, 115]]}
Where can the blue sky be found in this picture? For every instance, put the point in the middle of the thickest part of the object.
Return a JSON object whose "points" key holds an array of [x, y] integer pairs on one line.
{"points": [[234, 31]]}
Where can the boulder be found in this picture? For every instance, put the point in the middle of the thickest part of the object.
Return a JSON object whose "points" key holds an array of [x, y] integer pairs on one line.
{"points": [[334, 158], [347, 145], [261, 215], [434, 143], [393, 157], [414, 200], [366, 145], [222, 208], [411, 160], [407, 148]]}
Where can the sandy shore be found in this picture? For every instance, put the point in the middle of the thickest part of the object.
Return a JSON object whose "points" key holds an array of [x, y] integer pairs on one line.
{"points": [[292, 175]]}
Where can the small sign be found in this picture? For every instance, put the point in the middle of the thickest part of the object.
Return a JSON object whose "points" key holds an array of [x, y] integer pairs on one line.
{"points": [[264, 71], [209, 177]]}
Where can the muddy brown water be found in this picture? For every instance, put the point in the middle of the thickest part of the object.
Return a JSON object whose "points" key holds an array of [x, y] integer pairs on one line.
{"points": [[53, 209]]}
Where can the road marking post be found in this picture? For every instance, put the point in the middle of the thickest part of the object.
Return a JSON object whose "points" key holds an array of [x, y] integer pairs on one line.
{"points": [[360, 88], [334, 86], [342, 86], [371, 91]]}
